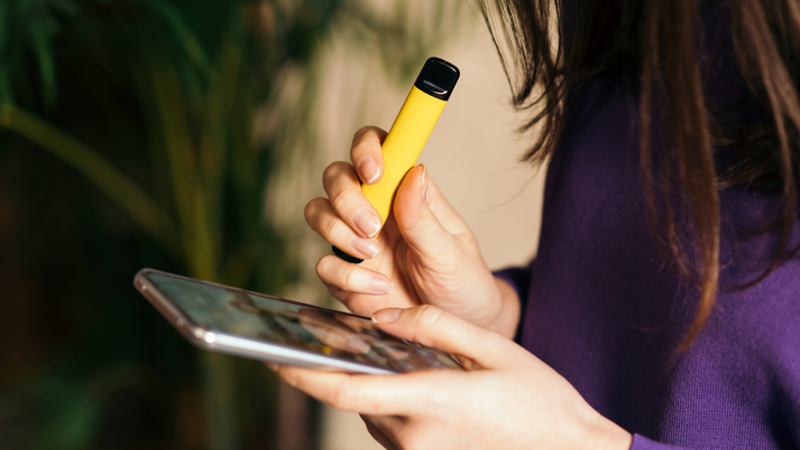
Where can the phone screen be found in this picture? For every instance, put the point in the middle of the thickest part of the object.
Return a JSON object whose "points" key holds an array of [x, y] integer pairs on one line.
{"points": [[258, 317]]}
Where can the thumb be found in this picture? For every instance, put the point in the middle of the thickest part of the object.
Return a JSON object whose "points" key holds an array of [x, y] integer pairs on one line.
{"points": [[433, 327], [419, 225]]}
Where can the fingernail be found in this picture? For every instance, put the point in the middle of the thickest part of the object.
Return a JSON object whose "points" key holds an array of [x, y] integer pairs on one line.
{"points": [[368, 170], [367, 223], [387, 315], [423, 180], [380, 285], [367, 247]]}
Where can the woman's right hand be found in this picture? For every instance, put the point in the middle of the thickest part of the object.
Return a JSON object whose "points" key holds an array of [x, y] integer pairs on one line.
{"points": [[425, 253]]}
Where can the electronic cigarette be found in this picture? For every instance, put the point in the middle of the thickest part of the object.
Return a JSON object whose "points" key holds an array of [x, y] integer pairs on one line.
{"points": [[407, 137]]}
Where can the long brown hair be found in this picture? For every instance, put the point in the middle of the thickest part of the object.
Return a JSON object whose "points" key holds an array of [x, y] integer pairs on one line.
{"points": [[659, 39]]}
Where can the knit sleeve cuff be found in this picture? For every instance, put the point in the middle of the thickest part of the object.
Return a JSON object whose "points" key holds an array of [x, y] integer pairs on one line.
{"points": [[642, 443]]}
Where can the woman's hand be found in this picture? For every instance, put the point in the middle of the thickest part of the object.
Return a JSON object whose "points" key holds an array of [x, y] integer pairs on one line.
{"points": [[506, 399], [425, 253]]}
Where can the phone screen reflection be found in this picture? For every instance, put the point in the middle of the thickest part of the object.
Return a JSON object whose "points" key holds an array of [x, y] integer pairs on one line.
{"points": [[276, 321]]}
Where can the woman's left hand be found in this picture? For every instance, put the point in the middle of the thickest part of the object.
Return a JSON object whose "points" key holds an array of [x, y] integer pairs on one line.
{"points": [[507, 398]]}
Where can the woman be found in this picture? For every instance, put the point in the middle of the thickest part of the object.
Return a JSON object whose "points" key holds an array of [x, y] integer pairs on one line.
{"points": [[663, 307]]}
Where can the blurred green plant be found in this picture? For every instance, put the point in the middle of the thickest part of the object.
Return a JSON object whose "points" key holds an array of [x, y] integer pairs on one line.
{"points": [[153, 102]]}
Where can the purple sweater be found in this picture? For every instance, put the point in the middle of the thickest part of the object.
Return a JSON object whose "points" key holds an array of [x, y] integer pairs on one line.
{"points": [[603, 307]]}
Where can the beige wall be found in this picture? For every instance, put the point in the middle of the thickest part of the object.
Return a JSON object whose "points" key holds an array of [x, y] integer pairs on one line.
{"points": [[472, 155]]}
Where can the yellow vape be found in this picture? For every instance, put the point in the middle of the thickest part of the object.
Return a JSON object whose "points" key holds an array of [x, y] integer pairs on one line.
{"points": [[407, 137]]}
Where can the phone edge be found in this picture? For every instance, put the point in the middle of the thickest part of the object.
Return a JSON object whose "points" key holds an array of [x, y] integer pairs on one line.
{"points": [[225, 343]]}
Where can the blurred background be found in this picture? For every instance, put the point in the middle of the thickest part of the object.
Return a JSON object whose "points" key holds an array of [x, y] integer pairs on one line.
{"points": [[187, 136]]}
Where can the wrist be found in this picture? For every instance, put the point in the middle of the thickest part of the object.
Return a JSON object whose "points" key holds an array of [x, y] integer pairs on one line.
{"points": [[607, 435], [507, 318]]}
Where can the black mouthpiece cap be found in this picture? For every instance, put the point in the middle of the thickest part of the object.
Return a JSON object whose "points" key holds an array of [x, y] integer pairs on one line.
{"points": [[437, 78]]}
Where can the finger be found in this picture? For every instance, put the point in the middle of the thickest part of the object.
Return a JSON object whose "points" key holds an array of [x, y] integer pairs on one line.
{"points": [[366, 155], [362, 304], [433, 327], [398, 395], [417, 223], [351, 277], [381, 428], [365, 305], [321, 217], [331, 332], [344, 191], [444, 212]]}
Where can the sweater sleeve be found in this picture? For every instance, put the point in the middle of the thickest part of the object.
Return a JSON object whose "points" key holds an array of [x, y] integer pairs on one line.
{"points": [[642, 443], [519, 278]]}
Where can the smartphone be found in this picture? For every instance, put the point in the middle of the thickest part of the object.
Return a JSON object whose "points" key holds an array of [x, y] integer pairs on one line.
{"points": [[259, 326]]}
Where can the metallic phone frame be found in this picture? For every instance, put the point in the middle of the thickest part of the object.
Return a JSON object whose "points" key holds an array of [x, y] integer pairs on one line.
{"points": [[207, 339]]}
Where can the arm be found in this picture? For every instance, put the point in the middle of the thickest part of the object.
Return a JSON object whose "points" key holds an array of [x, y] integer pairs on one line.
{"points": [[507, 398]]}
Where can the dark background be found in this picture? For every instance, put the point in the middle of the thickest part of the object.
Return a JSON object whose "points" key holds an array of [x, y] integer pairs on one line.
{"points": [[126, 141]]}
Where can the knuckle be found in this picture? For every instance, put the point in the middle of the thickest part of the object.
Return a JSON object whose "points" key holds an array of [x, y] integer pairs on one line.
{"points": [[313, 209], [426, 316], [337, 292], [329, 173], [322, 268], [362, 148], [367, 142], [335, 274], [342, 295], [351, 277], [368, 132], [359, 135], [341, 196], [343, 397], [333, 171], [327, 227], [424, 222], [428, 221]]}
